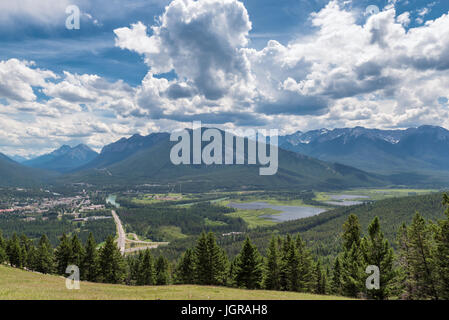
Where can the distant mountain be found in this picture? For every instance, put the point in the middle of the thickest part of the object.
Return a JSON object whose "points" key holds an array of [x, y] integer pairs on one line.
{"points": [[64, 159], [18, 159], [146, 160], [13, 174], [423, 149], [124, 148]]}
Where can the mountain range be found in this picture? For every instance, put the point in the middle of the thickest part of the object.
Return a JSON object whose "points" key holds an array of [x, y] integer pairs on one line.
{"points": [[64, 159], [383, 151], [325, 159]]}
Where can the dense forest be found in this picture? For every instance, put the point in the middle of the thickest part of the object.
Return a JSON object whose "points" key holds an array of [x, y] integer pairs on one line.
{"points": [[322, 232], [192, 220], [417, 269], [53, 227]]}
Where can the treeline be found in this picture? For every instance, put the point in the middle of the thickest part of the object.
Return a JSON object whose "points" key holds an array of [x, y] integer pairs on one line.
{"points": [[53, 228], [147, 220]]}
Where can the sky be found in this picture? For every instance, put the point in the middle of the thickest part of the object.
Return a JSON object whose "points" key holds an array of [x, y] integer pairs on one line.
{"points": [[143, 66]]}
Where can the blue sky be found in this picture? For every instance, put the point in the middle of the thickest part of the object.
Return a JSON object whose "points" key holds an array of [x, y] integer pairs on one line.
{"points": [[91, 49], [251, 63]]}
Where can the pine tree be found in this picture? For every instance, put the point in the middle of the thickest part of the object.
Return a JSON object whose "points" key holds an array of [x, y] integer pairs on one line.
{"points": [[25, 245], [146, 275], [78, 252], [185, 270], [249, 267], [272, 277], [351, 232], [218, 261], [336, 281], [292, 267], [45, 257], [210, 261], [3, 256], [319, 279], [202, 270], [377, 252], [352, 271], [162, 276], [353, 274], [421, 260], [133, 263], [112, 266], [90, 269], [32, 257], [286, 245], [442, 253], [14, 251], [63, 254], [305, 261], [404, 283]]}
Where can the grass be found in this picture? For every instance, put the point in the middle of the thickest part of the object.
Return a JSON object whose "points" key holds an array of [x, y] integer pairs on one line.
{"points": [[172, 233], [17, 284], [373, 194], [254, 217]]}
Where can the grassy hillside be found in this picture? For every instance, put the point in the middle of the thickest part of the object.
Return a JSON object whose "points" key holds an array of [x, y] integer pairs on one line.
{"points": [[19, 284]]}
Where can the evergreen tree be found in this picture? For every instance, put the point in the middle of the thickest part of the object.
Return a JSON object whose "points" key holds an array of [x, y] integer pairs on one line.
{"points": [[377, 252], [3, 256], [319, 279], [351, 232], [404, 283], [352, 271], [272, 277], [218, 260], [90, 269], [112, 266], [78, 252], [285, 267], [32, 257], [249, 267], [353, 274], [185, 271], [292, 267], [336, 281], [442, 253], [203, 269], [25, 245], [162, 276], [63, 254], [14, 251], [146, 275], [45, 257], [305, 261], [421, 260], [210, 261]]}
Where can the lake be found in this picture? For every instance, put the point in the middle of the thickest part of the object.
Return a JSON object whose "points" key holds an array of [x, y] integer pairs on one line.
{"points": [[287, 213], [345, 199]]}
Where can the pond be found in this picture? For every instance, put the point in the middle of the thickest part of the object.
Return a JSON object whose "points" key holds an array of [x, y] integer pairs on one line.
{"points": [[287, 213]]}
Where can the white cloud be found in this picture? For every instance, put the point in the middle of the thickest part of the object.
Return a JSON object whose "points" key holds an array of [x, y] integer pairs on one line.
{"points": [[17, 79]]}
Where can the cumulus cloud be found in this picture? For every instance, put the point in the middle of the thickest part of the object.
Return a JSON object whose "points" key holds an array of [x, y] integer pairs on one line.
{"points": [[17, 79]]}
